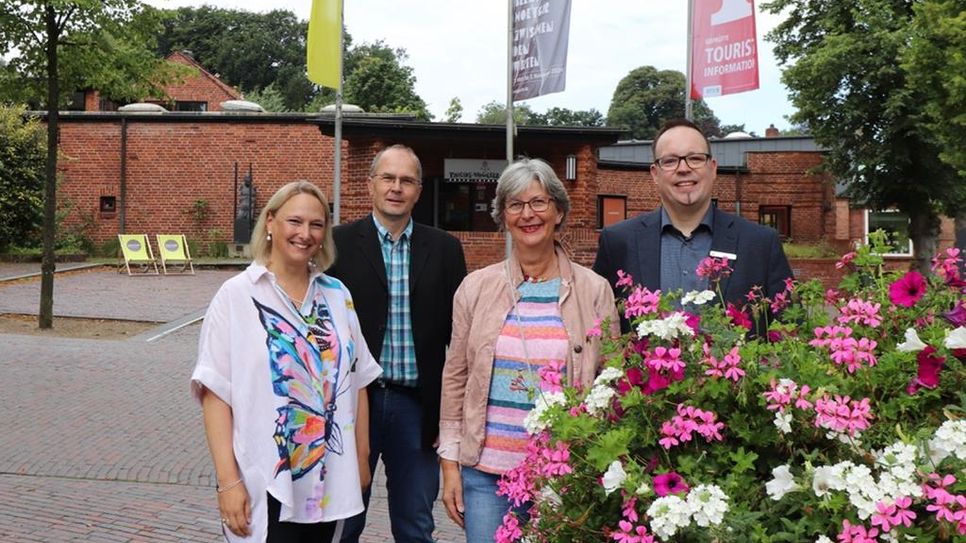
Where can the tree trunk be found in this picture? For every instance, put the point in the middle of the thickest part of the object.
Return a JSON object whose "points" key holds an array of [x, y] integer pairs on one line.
{"points": [[46, 318], [924, 233]]}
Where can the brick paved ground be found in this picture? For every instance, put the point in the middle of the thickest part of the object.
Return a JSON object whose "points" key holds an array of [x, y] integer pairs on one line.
{"points": [[100, 439]]}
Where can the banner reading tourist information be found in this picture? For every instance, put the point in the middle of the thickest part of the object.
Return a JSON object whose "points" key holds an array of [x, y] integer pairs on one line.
{"points": [[724, 50], [541, 29]]}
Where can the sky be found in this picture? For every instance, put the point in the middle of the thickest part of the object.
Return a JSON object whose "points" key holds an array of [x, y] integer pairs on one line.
{"points": [[457, 48]]}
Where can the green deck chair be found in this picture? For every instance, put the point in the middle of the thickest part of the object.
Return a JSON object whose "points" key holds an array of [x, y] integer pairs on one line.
{"points": [[175, 255], [137, 254]]}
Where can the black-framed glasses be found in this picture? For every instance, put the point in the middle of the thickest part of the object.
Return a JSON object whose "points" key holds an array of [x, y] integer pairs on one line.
{"points": [[405, 180], [538, 205], [671, 163]]}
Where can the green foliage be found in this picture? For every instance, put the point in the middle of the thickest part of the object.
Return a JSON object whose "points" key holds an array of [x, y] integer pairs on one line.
{"points": [[495, 113], [935, 61], [245, 49], [647, 97], [880, 118], [106, 45], [23, 151], [454, 112], [561, 116], [379, 82], [270, 98]]}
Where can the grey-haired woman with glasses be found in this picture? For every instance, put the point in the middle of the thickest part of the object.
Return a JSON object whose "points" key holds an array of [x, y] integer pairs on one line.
{"points": [[511, 321]]}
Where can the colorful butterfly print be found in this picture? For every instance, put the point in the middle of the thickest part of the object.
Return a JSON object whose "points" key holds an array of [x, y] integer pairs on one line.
{"points": [[305, 369]]}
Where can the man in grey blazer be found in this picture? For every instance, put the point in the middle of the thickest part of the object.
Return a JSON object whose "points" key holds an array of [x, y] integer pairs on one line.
{"points": [[661, 249]]}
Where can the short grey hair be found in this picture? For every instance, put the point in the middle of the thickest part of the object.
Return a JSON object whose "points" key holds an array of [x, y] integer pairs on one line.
{"points": [[517, 177], [396, 147], [260, 245]]}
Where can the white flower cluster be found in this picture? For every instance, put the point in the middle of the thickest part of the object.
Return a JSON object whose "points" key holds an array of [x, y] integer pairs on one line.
{"points": [[705, 504], [599, 398], [608, 376], [949, 440], [897, 477], [534, 421], [668, 328], [697, 298]]}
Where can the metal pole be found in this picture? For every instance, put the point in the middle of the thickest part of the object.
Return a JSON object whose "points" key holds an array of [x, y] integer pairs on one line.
{"points": [[688, 113], [122, 213], [337, 161], [509, 100]]}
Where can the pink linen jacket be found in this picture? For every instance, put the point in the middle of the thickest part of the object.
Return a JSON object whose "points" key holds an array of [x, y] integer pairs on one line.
{"points": [[480, 308]]}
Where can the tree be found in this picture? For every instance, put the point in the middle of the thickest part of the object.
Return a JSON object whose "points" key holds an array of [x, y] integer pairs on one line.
{"points": [[378, 81], [561, 116], [22, 155], [96, 37], [454, 112], [935, 61], [253, 51], [844, 79], [495, 113], [245, 49], [269, 98], [647, 97]]}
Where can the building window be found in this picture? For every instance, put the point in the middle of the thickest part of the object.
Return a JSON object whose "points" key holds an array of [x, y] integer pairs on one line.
{"points": [[466, 206], [894, 223], [190, 106], [611, 210], [108, 206], [777, 217]]}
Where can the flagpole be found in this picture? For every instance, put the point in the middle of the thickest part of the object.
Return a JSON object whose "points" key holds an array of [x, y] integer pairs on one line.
{"points": [[509, 101], [337, 160], [688, 113]]}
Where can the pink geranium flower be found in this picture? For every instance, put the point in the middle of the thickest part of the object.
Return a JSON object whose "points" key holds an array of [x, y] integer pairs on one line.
{"points": [[738, 317], [908, 290], [669, 483]]}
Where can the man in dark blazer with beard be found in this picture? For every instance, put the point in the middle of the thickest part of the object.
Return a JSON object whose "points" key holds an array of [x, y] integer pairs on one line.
{"points": [[661, 249], [402, 276]]}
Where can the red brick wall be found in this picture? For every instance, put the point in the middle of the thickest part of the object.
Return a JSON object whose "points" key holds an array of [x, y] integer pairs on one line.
{"points": [[200, 87], [171, 165]]}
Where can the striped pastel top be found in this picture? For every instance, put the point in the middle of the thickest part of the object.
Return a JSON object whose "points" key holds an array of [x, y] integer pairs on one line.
{"points": [[505, 444]]}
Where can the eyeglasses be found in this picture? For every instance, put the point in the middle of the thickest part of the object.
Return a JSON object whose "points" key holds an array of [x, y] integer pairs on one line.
{"points": [[405, 181], [671, 163], [538, 205]]}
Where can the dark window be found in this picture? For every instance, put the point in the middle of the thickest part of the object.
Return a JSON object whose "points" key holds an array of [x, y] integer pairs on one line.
{"points": [[108, 206], [466, 206], [190, 106], [611, 210], [895, 224], [777, 217]]}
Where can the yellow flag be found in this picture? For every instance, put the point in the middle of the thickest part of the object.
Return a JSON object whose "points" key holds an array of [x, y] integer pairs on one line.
{"points": [[323, 51]]}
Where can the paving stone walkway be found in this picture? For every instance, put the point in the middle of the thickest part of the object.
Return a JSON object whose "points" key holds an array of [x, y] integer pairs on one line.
{"points": [[101, 440]]}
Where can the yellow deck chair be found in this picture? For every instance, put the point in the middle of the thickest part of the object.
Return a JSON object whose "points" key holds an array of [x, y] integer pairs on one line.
{"points": [[137, 253], [173, 249]]}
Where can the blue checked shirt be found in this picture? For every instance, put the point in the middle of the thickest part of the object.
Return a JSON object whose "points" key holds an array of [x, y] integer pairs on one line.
{"points": [[398, 359], [680, 256]]}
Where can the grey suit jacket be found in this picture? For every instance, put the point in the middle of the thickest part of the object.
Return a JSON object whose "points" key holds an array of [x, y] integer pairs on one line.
{"points": [[634, 246]]}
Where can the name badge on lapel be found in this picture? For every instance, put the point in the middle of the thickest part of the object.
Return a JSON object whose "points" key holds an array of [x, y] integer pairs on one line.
{"points": [[721, 254]]}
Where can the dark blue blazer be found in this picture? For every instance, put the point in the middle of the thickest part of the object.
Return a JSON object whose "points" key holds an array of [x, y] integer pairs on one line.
{"points": [[634, 246]]}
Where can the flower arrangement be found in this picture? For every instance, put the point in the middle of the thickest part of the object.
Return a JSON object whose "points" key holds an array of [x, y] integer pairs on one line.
{"points": [[815, 415]]}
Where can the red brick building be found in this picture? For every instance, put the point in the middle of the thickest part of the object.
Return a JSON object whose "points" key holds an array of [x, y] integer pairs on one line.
{"points": [[179, 172]]}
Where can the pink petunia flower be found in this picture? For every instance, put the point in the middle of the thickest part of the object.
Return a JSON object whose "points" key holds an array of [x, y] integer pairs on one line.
{"points": [[908, 290], [930, 365], [669, 483]]}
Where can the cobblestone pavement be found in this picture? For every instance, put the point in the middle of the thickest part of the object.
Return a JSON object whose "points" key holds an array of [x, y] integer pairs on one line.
{"points": [[100, 440]]}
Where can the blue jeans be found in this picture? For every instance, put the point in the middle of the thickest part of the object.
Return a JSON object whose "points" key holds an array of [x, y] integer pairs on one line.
{"points": [[484, 508], [412, 472]]}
